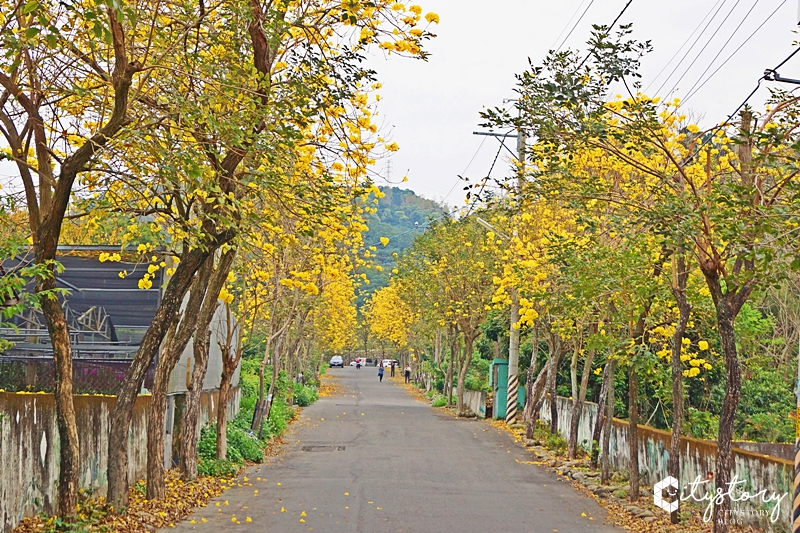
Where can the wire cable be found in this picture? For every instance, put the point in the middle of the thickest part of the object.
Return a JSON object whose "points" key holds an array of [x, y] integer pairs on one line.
{"points": [[694, 91], [619, 16], [688, 51], [465, 170], [703, 49], [575, 26], [567, 25], [488, 175], [740, 106], [725, 45], [678, 51]]}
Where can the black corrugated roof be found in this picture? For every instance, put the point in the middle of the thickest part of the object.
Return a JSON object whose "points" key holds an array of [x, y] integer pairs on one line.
{"points": [[94, 284]]}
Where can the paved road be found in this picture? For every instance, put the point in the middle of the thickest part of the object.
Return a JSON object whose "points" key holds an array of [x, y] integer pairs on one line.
{"points": [[398, 466]]}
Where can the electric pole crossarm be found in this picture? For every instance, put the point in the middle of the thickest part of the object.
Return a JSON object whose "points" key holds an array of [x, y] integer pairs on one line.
{"points": [[492, 134], [772, 75]]}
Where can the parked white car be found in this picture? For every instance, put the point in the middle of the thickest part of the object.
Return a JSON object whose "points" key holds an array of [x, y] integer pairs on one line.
{"points": [[337, 360]]}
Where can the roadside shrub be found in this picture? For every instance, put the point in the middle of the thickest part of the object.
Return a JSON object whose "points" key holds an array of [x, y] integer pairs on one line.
{"points": [[279, 417], [247, 446], [248, 383], [556, 443], [241, 446], [473, 382], [217, 468], [701, 424], [439, 401], [304, 395], [207, 445]]}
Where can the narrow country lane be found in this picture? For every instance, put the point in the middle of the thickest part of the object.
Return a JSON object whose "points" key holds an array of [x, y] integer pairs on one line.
{"points": [[374, 459]]}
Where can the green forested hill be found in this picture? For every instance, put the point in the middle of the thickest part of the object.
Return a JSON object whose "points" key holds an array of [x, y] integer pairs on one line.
{"points": [[401, 215]]}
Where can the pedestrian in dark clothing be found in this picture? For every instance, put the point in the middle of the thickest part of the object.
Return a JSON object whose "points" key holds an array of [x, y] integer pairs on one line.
{"points": [[408, 373], [392, 368], [380, 372]]}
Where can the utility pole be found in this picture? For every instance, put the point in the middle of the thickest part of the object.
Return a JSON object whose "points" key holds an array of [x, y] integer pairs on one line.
{"points": [[513, 334], [796, 506], [772, 75]]}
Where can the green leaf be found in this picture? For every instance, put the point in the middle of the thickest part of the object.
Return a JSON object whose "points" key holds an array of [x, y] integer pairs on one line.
{"points": [[30, 7], [32, 32]]}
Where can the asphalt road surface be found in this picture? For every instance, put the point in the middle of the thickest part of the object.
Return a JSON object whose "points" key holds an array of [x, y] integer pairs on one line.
{"points": [[374, 459]]}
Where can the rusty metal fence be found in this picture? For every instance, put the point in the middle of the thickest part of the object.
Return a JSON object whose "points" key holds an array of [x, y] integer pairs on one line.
{"points": [[89, 375]]}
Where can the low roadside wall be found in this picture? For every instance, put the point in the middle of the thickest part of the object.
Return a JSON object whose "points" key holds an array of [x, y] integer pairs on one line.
{"points": [[476, 401], [29, 446], [773, 474]]}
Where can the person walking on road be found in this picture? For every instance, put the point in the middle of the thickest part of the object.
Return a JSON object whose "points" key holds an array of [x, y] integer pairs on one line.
{"points": [[408, 373], [380, 372], [392, 369]]}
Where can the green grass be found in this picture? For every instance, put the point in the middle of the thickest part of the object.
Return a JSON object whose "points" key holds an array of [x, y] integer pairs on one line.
{"points": [[243, 444]]}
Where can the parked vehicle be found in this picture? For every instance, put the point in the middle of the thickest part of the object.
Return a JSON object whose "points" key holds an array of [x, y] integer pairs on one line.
{"points": [[337, 360]]}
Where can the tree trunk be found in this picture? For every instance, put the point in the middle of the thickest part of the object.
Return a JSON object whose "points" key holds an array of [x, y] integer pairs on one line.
{"points": [[680, 279], [553, 399], [69, 450], [276, 370], [462, 373], [640, 338], [577, 409], [573, 382], [537, 397], [120, 419], [230, 360], [601, 417], [633, 430], [46, 207], [170, 355], [222, 415], [605, 475], [552, 378], [448, 382], [201, 345], [527, 411], [733, 391]]}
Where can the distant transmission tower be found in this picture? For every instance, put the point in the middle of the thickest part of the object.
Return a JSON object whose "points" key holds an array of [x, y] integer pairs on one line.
{"points": [[388, 170]]}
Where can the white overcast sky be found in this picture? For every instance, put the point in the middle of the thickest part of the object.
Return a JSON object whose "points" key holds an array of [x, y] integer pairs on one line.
{"points": [[431, 108]]}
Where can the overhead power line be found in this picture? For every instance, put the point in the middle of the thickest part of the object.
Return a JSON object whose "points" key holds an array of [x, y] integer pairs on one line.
{"points": [[567, 24], [703, 49], [619, 16], [465, 170], [694, 90], [678, 51], [575, 26], [689, 50], [721, 125]]}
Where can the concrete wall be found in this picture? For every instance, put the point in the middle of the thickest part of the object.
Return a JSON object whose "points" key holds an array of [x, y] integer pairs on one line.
{"points": [[782, 451], [29, 447], [476, 401], [181, 374], [697, 456]]}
